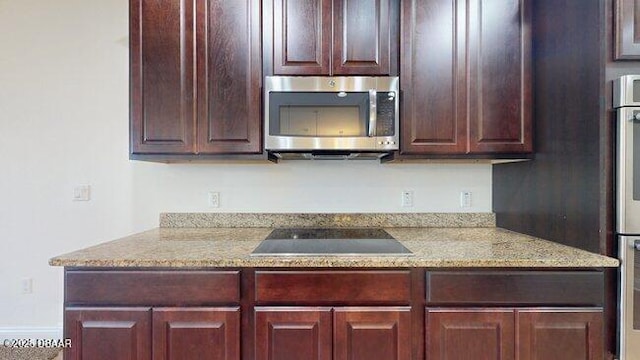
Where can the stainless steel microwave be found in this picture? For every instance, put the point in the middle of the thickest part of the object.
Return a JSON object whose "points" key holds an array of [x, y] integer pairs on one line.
{"points": [[324, 114]]}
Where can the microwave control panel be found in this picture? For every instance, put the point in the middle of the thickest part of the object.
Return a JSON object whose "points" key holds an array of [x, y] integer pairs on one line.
{"points": [[385, 114]]}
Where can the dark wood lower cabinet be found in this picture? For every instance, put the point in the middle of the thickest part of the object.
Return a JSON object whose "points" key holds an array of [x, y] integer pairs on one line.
{"points": [[366, 333], [523, 334], [323, 333], [460, 334], [293, 333], [560, 334], [196, 334], [158, 334], [108, 333], [415, 314]]}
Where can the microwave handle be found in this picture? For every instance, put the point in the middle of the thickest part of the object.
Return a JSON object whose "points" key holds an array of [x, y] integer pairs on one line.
{"points": [[373, 112]]}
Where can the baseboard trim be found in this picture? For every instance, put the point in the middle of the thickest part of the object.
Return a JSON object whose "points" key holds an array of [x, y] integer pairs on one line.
{"points": [[37, 332]]}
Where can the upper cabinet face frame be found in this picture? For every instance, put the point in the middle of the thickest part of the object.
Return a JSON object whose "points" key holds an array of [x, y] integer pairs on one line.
{"points": [[323, 37]]}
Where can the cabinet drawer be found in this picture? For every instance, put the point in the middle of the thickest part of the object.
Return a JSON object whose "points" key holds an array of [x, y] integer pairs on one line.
{"points": [[331, 287], [151, 288], [516, 288]]}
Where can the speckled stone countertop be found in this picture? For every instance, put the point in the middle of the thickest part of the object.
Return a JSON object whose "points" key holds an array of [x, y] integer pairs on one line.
{"points": [[432, 247]]}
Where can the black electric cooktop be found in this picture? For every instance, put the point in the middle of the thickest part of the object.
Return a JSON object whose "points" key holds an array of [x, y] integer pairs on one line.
{"points": [[330, 242]]}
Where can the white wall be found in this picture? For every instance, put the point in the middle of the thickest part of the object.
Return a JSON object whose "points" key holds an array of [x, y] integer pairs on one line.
{"points": [[64, 121]]}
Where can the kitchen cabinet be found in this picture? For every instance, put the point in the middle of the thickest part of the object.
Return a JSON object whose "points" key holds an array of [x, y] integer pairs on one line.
{"points": [[331, 37], [158, 315], [340, 314], [340, 333], [627, 30], [466, 77], [108, 333], [469, 333], [196, 333], [195, 77], [534, 333], [166, 333]]}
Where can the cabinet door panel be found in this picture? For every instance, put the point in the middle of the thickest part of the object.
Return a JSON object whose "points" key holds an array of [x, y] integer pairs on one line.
{"points": [[293, 333], [372, 333], [434, 119], [364, 37], [627, 30], [108, 333], [162, 69], [562, 334], [196, 333], [229, 76], [499, 46], [298, 36], [460, 334]]}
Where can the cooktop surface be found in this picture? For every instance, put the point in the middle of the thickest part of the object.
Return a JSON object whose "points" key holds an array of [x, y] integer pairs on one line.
{"points": [[330, 242]]}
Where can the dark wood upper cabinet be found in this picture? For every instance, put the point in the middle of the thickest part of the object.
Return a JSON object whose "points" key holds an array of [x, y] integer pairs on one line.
{"points": [[466, 77], [365, 37], [195, 77], [331, 37], [627, 29], [297, 36], [162, 73], [434, 116], [229, 77], [108, 333], [499, 83]]}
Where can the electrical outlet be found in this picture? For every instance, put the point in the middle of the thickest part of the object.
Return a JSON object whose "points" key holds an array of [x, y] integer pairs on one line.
{"points": [[465, 199], [214, 199], [82, 193], [407, 198], [27, 285]]}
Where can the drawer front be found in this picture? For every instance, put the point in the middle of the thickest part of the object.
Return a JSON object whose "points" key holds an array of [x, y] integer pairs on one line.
{"points": [[580, 288], [333, 287], [151, 288]]}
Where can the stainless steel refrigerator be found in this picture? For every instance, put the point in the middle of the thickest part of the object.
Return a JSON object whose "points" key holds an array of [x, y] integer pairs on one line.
{"points": [[627, 101]]}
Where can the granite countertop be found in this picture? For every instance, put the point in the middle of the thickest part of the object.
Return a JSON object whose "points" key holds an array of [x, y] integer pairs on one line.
{"points": [[451, 246]]}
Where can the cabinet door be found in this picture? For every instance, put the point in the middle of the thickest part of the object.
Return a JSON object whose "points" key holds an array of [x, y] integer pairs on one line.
{"points": [[372, 333], [196, 333], [562, 334], [433, 77], [229, 76], [297, 37], [162, 73], [365, 37], [293, 333], [460, 334], [627, 30], [500, 106], [108, 333]]}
